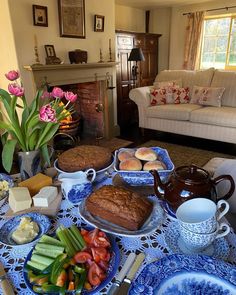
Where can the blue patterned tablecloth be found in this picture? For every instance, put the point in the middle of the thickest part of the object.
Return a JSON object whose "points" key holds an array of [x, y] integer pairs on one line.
{"points": [[154, 245]]}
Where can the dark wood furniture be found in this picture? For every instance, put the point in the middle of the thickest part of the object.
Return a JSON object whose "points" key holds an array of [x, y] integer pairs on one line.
{"points": [[127, 112]]}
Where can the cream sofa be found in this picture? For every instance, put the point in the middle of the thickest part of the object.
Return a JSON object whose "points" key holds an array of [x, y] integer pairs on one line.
{"points": [[217, 123]]}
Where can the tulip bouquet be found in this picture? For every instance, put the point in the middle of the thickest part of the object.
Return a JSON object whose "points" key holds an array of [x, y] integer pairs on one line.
{"points": [[30, 126]]}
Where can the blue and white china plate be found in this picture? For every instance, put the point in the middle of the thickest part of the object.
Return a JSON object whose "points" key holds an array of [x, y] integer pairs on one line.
{"points": [[170, 213], [218, 249], [11, 225], [5, 194], [112, 269], [188, 275], [154, 221], [145, 177]]}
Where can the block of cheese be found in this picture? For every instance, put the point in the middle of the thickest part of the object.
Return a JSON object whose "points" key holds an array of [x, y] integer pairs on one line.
{"points": [[19, 198], [35, 183], [45, 196]]}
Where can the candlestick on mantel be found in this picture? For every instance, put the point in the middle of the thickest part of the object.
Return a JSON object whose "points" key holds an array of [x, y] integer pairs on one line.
{"points": [[37, 61], [109, 44], [101, 57], [110, 52]]}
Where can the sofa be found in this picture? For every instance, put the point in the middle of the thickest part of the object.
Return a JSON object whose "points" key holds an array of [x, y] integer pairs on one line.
{"points": [[203, 121]]}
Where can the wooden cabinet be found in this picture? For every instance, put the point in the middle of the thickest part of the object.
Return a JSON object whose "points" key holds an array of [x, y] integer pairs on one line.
{"points": [[127, 112]]}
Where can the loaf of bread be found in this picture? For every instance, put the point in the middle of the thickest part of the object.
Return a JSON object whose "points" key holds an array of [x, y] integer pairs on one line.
{"points": [[84, 157], [145, 154], [157, 165], [125, 154], [119, 206], [131, 164]]}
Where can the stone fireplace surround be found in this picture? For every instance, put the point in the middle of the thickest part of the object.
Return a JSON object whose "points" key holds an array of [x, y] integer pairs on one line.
{"points": [[93, 82]]}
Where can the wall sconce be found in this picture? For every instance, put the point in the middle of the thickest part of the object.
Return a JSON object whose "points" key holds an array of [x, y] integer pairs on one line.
{"points": [[136, 55]]}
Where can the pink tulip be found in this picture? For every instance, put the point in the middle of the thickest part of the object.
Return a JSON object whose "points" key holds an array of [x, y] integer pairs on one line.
{"points": [[47, 114], [15, 89], [46, 95], [57, 92], [70, 96], [12, 75]]}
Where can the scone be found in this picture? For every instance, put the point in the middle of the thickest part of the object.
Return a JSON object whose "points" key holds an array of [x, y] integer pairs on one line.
{"points": [[156, 165], [131, 164], [119, 206], [145, 154], [125, 154]]}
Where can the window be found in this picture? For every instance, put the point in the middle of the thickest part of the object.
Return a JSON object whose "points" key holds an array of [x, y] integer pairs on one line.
{"points": [[219, 43]]}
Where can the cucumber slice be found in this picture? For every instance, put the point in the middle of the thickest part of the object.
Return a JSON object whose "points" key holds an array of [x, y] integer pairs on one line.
{"points": [[36, 266], [41, 259], [49, 240], [48, 253], [49, 247]]}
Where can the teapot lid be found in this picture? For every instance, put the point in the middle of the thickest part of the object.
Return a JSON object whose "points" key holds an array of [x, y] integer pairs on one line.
{"points": [[191, 174]]}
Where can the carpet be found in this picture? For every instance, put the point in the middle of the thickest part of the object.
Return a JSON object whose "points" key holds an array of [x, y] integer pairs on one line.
{"points": [[184, 155]]}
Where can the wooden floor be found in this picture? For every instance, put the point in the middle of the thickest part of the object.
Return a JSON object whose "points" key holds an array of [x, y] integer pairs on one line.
{"points": [[133, 133]]}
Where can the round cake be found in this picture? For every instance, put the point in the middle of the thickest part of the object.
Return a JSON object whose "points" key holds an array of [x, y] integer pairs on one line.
{"points": [[84, 157]]}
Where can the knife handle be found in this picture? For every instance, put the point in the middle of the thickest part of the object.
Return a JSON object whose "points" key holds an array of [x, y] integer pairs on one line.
{"points": [[135, 266], [126, 267], [7, 287]]}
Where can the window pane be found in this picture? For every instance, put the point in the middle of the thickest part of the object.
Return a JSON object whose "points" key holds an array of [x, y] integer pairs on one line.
{"points": [[215, 42], [232, 48]]}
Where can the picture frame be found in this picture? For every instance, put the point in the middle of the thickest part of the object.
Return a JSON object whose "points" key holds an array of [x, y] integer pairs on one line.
{"points": [[72, 18], [99, 23], [40, 15], [50, 50]]}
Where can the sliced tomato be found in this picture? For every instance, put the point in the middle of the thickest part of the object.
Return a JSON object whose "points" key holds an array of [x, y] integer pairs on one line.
{"points": [[83, 232], [82, 257], [95, 274], [101, 242], [99, 253]]}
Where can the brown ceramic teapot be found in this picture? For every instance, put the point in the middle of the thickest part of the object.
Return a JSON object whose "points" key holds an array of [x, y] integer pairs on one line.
{"points": [[188, 182]]}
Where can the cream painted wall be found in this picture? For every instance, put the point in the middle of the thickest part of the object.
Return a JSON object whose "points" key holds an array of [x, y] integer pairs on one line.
{"points": [[129, 19], [160, 24], [178, 25]]}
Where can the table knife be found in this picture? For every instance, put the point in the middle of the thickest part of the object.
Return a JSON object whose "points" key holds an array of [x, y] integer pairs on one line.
{"points": [[4, 283], [122, 273], [124, 287]]}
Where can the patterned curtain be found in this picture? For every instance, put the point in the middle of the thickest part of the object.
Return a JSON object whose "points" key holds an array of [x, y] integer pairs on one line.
{"points": [[193, 40]]}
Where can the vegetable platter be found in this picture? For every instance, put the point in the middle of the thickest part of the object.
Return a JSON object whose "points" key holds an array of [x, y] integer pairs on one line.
{"points": [[74, 261]]}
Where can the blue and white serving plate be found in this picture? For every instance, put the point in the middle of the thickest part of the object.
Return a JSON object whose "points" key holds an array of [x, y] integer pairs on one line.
{"points": [[11, 225], [154, 221], [218, 249], [186, 275], [111, 271], [145, 177]]}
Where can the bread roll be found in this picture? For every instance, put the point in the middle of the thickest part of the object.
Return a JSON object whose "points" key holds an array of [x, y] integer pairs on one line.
{"points": [[156, 165], [125, 154], [145, 154], [131, 165]]}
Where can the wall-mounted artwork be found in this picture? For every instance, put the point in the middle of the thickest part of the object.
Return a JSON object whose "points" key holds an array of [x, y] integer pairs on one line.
{"points": [[99, 23], [72, 18], [40, 15]]}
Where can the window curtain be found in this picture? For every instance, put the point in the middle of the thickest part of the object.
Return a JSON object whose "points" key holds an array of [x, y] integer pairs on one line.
{"points": [[193, 40]]}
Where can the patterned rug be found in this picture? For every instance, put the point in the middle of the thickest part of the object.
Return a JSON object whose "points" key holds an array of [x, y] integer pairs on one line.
{"points": [[183, 155]]}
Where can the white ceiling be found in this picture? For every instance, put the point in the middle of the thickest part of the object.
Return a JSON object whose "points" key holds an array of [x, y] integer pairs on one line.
{"points": [[148, 4]]}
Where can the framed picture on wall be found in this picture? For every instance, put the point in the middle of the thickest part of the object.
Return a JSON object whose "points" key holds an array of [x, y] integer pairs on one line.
{"points": [[99, 23], [40, 15], [72, 18]]}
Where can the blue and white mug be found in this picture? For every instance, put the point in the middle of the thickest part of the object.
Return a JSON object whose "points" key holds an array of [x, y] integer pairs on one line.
{"points": [[77, 185], [201, 215]]}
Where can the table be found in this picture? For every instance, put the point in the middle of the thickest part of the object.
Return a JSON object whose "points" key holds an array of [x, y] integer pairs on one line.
{"points": [[154, 245]]}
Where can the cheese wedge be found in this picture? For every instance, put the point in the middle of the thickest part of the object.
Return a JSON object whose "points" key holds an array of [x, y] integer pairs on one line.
{"points": [[45, 196], [19, 198], [35, 183]]}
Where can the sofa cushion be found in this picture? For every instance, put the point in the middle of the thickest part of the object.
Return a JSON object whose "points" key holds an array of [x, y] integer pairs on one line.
{"points": [[226, 79], [189, 78], [224, 116], [208, 96], [181, 95], [172, 111]]}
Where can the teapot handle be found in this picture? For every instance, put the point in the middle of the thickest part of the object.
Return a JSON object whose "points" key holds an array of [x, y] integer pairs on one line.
{"points": [[232, 185]]}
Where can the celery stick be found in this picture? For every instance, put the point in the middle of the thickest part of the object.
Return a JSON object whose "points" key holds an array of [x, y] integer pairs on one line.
{"points": [[78, 235], [63, 238], [76, 243], [67, 234]]}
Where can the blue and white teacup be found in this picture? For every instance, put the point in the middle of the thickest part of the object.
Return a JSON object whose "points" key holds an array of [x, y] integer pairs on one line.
{"points": [[196, 242], [201, 215], [77, 185]]}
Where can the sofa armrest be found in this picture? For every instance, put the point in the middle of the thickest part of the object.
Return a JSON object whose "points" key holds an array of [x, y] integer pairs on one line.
{"points": [[140, 96]]}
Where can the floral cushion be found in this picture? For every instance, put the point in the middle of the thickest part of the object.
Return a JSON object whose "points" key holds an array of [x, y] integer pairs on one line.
{"points": [[181, 95], [158, 96], [210, 96]]}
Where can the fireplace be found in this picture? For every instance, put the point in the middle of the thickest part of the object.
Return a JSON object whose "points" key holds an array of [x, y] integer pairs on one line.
{"points": [[93, 82]]}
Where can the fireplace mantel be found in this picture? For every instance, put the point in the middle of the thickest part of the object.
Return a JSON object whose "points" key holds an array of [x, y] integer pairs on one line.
{"points": [[63, 74]]}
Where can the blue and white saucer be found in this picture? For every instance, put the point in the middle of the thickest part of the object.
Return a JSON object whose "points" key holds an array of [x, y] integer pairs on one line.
{"points": [[219, 248]]}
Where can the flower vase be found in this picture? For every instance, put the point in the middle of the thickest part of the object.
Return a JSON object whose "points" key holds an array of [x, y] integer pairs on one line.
{"points": [[29, 164]]}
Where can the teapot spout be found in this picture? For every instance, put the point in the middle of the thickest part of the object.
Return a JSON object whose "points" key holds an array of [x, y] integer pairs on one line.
{"points": [[158, 184]]}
